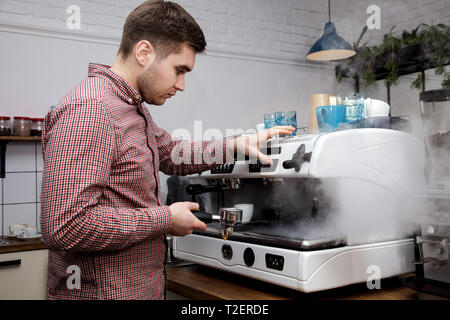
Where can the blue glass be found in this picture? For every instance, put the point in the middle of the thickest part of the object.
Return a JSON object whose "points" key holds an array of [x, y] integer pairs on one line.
{"points": [[269, 120], [291, 120], [280, 118], [354, 103], [330, 117]]}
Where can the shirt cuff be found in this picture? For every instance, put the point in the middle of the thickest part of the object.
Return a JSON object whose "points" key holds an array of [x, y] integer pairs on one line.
{"points": [[161, 218]]}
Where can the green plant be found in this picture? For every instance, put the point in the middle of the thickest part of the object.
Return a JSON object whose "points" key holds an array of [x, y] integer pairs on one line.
{"points": [[431, 41]]}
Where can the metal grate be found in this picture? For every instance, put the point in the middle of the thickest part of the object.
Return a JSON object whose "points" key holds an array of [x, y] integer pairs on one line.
{"points": [[304, 138]]}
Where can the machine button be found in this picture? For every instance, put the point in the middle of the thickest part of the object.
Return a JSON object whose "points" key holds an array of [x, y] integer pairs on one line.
{"points": [[227, 252], [249, 257]]}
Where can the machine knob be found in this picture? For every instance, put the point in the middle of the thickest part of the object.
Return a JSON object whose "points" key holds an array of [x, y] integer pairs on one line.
{"points": [[249, 257], [298, 158]]}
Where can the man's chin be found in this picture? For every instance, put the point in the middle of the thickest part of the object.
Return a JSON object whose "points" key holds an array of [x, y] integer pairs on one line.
{"points": [[156, 102]]}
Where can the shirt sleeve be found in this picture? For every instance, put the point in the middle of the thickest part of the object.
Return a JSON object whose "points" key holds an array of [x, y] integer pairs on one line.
{"points": [[179, 157], [79, 149]]}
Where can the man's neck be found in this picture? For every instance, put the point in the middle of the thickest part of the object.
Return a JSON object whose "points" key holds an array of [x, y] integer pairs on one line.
{"points": [[120, 67]]}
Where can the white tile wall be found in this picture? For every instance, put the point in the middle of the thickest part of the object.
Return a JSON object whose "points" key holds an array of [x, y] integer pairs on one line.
{"points": [[39, 159], [20, 157], [20, 189], [38, 214], [18, 213], [38, 186]]}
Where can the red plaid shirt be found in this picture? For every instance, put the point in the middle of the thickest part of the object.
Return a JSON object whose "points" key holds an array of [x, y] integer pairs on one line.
{"points": [[101, 204]]}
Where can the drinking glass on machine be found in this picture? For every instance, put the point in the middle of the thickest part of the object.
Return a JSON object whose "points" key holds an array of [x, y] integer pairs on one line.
{"points": [[291, 120], [280, 118], [354, 103], [269, 120]]}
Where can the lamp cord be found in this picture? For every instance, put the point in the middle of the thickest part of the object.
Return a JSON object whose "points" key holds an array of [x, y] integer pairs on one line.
{"points": [[329, 12]]}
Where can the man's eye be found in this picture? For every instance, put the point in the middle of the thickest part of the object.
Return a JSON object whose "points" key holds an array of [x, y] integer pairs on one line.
{"points": [[179, 71]]}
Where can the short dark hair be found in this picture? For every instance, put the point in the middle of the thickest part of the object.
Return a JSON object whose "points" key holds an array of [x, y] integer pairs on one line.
{"points": [[166, 25]]}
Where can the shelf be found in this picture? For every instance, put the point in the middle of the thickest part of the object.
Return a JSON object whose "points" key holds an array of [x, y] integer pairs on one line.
{"points": [[4, 141], [24, 139], [409, 60]]}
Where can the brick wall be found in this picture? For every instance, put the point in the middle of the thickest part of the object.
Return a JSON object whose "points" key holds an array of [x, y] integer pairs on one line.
{"points": [[277, 28]]}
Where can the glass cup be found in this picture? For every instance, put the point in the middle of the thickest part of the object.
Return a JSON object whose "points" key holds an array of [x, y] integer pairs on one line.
{"points": [[354, 103], [269, 120], [291, 120], [280, 118], [330, 117]]}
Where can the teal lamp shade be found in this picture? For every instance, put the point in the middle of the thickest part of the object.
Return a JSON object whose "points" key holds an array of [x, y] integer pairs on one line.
{"points": [[330, 46]]}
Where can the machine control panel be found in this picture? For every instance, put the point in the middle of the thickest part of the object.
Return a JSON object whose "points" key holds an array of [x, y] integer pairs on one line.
{"points": [[274, 261], [223, 168], [259, 167]]}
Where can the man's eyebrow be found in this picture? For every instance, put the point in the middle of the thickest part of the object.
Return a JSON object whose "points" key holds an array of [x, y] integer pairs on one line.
{"points": [[185, 68]]}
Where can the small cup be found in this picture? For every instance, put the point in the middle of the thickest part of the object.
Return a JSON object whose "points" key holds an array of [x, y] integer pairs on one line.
{"points": [[330, 117], [269, 120], [376, 108], [17, 229], [247, 211], [291, 120], [280, 118], [29, 232]]}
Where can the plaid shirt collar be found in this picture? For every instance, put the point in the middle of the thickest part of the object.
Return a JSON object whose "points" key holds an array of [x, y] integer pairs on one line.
{"points": [[129, 93]]}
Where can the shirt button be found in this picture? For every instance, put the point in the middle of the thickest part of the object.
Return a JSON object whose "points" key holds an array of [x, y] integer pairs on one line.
{"points": [[130, 101]]}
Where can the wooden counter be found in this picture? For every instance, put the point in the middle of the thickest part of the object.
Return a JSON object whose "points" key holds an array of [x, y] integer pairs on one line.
{"points": [[203, 283], [15, 245]]}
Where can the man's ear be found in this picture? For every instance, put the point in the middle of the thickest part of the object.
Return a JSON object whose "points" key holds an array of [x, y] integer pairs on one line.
{"points": [[144, 53]]}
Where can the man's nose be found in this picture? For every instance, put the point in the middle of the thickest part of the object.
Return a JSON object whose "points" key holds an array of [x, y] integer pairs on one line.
{"points": [[179, 85]]}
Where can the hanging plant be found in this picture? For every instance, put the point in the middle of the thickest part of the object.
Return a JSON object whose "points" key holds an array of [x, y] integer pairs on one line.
{"points": [[428, 45]]}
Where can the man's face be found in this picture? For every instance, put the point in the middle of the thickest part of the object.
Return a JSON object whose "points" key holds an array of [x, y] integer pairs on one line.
{"points": [[162, 78]]}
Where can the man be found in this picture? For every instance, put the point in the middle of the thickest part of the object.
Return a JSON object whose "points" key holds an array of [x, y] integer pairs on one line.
{"points": [[102, 216]]}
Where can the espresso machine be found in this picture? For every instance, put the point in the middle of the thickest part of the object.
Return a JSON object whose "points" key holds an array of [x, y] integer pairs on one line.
{"points": [[332, 210]]}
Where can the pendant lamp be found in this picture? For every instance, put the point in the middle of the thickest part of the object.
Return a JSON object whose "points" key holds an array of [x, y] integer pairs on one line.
{"points": [[330, 46]]}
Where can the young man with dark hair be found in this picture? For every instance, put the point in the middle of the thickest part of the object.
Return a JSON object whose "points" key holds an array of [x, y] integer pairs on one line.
{"points": [[102, 216]]}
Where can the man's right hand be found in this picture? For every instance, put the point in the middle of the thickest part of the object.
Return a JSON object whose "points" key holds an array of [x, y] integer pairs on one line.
{"points": [[183, 221]]}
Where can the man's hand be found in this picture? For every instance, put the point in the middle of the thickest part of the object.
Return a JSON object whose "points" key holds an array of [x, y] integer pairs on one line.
{"points": [[250, 145], [183, 221]]}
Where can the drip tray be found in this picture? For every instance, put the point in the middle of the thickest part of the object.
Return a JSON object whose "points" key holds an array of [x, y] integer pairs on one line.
{"points": [[270, 236]]}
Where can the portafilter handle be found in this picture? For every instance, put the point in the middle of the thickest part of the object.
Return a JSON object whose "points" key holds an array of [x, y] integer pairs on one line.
{"points": [[228, 215], [207, 217]]}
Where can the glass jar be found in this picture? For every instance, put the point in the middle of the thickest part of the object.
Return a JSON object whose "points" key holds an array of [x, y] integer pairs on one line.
{"points": [[354, 104], [5, 126], [21, 126], [36, 127], [435, 113]]}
